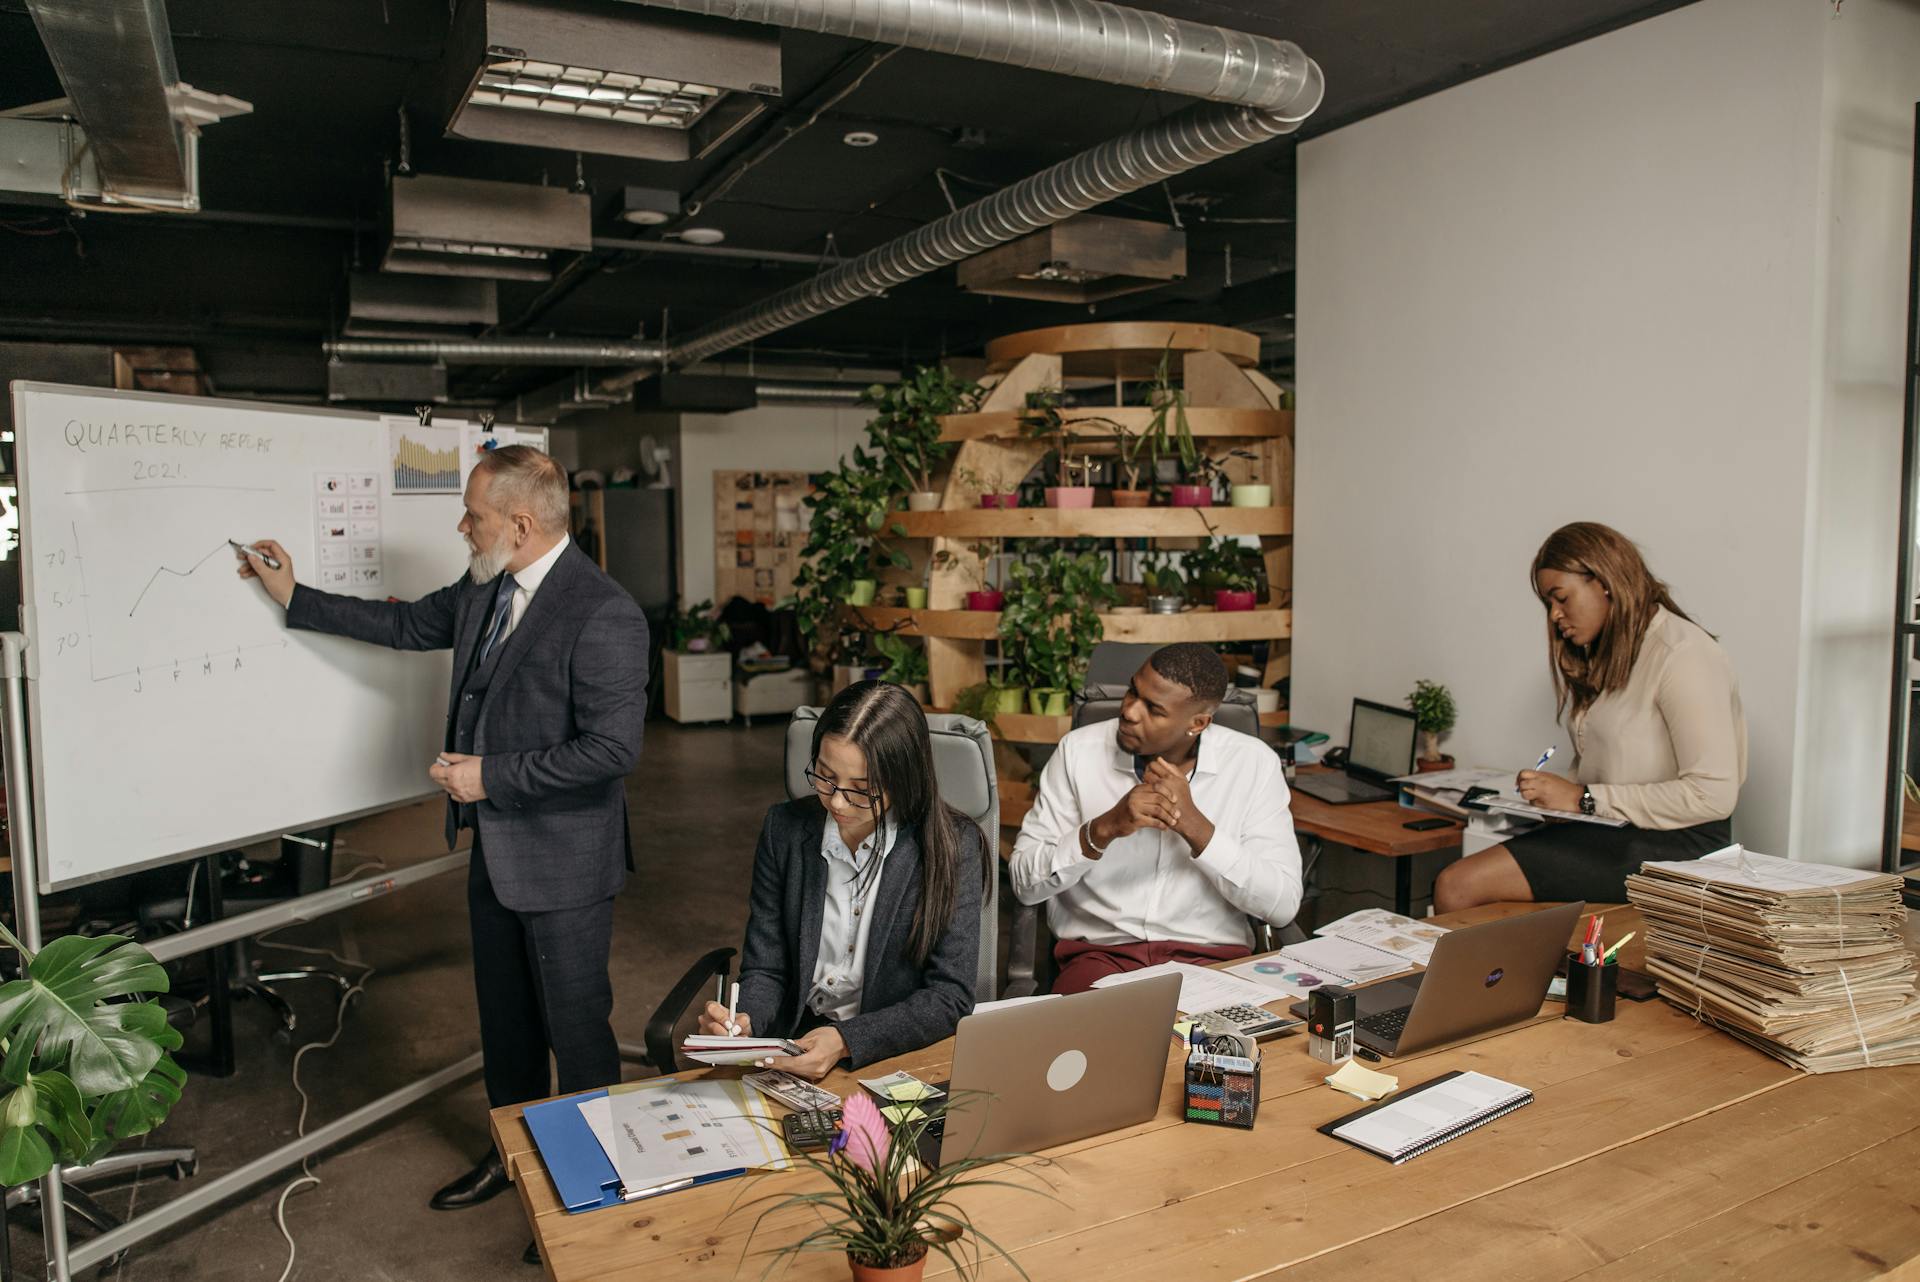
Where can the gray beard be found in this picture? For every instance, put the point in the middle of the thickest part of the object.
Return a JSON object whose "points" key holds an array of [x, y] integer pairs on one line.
{"points": [[484, 567]]}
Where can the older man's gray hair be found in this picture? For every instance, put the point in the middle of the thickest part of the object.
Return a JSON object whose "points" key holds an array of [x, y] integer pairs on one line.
{"points": [[523, 479]]}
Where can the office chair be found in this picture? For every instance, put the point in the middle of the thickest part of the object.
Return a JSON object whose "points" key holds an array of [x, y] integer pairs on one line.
{"points": [[963, 765], [1030, 947]]}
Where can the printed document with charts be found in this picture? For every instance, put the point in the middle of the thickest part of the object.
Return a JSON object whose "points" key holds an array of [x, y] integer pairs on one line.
{"points": [[1806, 961], [663, 1130]]}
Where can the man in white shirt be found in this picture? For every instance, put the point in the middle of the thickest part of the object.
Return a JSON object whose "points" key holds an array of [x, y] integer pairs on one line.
{"points": [[1155, 836]]}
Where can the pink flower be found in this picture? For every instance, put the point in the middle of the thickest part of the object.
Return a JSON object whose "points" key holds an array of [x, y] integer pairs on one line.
{"points": [[866, 1135]]}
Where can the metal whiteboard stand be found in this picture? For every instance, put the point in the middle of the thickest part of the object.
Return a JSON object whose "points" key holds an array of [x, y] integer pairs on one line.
{"points": [[63, 1261]]}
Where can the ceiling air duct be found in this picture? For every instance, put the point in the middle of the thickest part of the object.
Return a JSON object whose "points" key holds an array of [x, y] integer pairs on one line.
{"points": [[382, 305], [1082, 260], [615, 81], [472, 227]]}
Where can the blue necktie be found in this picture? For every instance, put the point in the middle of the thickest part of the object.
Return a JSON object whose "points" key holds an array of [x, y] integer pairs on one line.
{"points": [[502, 615]]}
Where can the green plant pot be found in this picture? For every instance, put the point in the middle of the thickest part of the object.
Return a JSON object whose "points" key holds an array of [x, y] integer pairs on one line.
{"points": [[863, 592], [1253, 496], [916, 598], [1047, 703], [1007, 700]]}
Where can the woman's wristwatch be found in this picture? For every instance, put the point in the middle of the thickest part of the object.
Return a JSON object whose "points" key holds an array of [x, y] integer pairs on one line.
{"points": [[1586, 801]]}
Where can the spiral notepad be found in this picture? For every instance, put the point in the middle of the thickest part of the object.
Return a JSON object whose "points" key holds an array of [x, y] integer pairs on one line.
{"points": [[1428, 1115]]}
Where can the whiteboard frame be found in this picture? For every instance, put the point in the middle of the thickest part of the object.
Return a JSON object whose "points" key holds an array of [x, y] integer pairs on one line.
{"points": [[18, 389]]}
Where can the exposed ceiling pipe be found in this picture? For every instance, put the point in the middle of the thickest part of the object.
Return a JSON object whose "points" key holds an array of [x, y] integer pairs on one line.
{"points": [[1087, 38], [628, 246], [809, 393], [497, 351]]}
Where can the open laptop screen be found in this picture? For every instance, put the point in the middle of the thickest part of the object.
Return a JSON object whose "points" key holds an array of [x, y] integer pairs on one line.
{"points": [[1381, 741]]}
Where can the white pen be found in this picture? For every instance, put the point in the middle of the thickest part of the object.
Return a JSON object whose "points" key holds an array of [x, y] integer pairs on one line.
{"points": [[272, 563], [1545, 757], [441, 761], [733, 1005]]}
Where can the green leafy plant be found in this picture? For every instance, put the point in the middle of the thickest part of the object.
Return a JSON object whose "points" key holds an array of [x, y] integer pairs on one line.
{"points": [[989, 481], [906, 424], [1050, 621], [1043, 420], [1206, 469], [1163, 580], [1218, 563], [978, 566], [1433, 712], [1168, 429], [881, 1206], [845, 534], [86, 1061], [906, 664], [697, 622]]}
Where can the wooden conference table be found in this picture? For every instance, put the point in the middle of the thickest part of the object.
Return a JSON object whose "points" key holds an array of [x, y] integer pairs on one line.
{"points": [[1377, 828], [1656, 1148]]}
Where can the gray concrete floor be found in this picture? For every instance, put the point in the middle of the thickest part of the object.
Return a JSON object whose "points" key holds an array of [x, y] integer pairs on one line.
{"points": [[696, 804]]}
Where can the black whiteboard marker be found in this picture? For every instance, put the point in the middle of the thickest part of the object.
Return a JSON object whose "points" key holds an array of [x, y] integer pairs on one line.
{"points": [[272, 564]]}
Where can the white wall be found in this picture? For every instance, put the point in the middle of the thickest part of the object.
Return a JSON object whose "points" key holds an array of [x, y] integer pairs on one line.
{"points": [[1865, 167], [771, 438], [1585, 287]]}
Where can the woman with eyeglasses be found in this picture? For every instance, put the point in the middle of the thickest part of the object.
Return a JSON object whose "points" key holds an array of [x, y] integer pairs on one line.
{"points": [[863, 938]]}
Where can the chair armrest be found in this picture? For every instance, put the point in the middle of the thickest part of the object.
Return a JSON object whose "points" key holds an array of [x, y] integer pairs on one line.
{"points": [[661, 1051]]}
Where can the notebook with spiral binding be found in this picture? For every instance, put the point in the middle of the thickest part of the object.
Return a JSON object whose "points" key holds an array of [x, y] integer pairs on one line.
{"points": [[1426, 1116]]}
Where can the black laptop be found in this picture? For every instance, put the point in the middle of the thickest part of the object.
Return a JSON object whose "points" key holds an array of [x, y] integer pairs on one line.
{"points": [[1380, 741]]}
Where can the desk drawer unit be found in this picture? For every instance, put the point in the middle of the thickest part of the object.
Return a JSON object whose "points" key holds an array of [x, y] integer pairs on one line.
{"points": [[699, 686]]}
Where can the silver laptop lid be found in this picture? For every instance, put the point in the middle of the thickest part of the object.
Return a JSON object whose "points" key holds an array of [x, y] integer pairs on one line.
{"points": [[1047, 1073], [1488, 976]]}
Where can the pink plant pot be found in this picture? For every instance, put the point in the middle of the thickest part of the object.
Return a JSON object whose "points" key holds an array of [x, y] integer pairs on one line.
{"points": [[985, 600], [1000, 500], [1193, 496], [1227, 599], [1069, 496]]}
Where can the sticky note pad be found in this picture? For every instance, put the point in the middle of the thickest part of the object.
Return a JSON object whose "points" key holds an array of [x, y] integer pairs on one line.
{"points": [[900, 1113], [1363, 1083], [912, 1091]]}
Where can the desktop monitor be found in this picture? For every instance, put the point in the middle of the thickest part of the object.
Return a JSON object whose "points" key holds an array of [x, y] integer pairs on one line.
{"points": [[1380, 741]]}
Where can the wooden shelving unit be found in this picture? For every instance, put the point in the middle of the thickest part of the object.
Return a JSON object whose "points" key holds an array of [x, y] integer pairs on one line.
{"points": [[1094, 522], [984, 625]]}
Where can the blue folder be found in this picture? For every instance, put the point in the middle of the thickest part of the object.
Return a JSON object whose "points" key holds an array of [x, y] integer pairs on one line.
{"points": [[578, 1166]]}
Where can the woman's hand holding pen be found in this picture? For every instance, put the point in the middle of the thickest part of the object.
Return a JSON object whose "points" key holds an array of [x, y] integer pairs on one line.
{"points": [[713, 1022], [1548, 791]]}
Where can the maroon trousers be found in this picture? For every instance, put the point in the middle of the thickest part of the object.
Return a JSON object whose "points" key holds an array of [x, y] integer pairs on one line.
{"points": [[1080, 963]]}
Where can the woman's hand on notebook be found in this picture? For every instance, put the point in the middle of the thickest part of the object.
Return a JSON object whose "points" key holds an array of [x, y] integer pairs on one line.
{"points": [[713, 1022]]}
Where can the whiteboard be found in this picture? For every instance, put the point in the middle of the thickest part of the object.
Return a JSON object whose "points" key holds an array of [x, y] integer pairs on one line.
{"points": [[171, 710]]}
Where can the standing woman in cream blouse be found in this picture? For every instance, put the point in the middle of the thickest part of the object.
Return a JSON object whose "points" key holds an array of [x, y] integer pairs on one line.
{"points": [[1658, 734]]}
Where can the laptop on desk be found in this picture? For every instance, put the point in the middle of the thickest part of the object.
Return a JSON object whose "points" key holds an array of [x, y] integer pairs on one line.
{"points": [[1380, 741], [1479, 978]]}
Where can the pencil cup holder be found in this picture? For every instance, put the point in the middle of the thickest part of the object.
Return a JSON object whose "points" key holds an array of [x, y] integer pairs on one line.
{"points": [[1590, 991], [1221, 1094]]}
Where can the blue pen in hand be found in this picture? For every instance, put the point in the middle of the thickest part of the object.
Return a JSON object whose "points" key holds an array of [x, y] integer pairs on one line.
{"points": [[1545, 757]]}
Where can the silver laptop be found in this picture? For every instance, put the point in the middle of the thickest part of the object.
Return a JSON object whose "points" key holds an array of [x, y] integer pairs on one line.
{"points": [[1380, 741], [1045, 1073], [1479, 978]]}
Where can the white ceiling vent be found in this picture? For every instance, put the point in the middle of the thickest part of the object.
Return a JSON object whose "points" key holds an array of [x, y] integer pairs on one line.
{"points": [[471, 227]]}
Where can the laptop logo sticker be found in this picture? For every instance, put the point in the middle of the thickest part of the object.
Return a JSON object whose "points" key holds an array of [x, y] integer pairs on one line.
{"points": [[1495, 977], [1067, 1069]]}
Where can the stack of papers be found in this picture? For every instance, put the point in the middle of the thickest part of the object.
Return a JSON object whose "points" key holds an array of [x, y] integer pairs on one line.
{"points": [[1390, 932], [1805, 961], [734, 1051], [1200, 989]]}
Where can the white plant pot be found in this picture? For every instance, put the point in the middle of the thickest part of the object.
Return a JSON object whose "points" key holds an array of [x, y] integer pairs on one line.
{"points": [[923, 501]]}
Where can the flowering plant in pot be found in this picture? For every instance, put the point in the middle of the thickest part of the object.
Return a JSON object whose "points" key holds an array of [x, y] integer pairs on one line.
{"points": [[886, 1210], [906, 427], [698, 628], [1051, 622], [1434, 713]]}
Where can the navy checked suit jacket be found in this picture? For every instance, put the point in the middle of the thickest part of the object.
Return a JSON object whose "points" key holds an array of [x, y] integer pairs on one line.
{"points": [[560, 729]]}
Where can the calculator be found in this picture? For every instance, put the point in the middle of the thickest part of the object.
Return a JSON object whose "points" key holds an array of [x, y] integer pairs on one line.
{"points": [[1253, 1021], [814, 1128]]}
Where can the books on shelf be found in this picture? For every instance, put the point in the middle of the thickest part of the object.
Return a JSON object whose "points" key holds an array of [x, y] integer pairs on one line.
{"points": [[1808, 962]]}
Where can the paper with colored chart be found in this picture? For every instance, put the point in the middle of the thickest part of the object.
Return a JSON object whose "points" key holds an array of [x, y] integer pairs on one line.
{"points": [[1298, 969], [1201, 989], [665, 1129], [1402, 936]]}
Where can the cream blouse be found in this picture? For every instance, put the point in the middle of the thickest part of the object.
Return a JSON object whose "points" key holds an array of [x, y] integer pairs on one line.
{"points": [[1669, 750]]}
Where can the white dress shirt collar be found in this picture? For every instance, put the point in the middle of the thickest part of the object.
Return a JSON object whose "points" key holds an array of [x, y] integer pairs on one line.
{"points": [[529, 579]]}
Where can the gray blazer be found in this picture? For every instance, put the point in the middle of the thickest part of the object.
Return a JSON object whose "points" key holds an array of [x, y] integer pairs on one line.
{"points": [[560, 729], [903, 1004]]}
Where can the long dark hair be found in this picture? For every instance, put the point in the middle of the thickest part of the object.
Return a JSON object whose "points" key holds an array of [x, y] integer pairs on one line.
{"points": [[883, 721], [1602, 553]]}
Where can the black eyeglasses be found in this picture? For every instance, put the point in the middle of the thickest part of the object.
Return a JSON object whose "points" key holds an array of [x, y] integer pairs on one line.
{"points": [[826, 788]]}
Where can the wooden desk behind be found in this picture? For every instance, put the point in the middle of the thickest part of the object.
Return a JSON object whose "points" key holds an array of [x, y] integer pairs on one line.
{"points": [[1378, 828], [1656, 1148]]}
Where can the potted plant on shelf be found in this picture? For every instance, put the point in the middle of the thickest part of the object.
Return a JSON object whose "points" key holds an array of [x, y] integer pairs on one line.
{"points": [[1236, 590], [698, 629], [988, 699], [996, 490], [906, 427], [1166, 589], [87, 1063], [1434, 713], [1138, 460], [1051, 622], [1220, 562], [1168, 428], [1042, 418], [1200, 480], [873, 1200], [847, 519], [906, 664], [979, 569]]}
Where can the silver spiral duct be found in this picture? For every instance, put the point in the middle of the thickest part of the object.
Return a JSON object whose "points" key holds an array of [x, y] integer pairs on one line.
{"points": [[496, 351], [1115, 168], [1087, 38]]}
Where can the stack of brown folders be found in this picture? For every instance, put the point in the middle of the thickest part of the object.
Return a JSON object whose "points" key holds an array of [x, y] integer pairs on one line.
{"points": [[1806, 961]]}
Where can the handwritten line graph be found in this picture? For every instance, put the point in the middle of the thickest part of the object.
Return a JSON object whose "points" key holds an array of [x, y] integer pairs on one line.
{"points": [[178, 574]]}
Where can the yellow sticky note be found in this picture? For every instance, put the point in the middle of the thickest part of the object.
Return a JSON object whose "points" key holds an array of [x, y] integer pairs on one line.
{"points": [[1363, 1083], [1182, 1028], [900, 1113], [911, 1091]]}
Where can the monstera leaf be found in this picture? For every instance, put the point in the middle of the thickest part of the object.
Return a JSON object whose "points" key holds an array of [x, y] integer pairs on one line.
{"points": [[86, 1068]]}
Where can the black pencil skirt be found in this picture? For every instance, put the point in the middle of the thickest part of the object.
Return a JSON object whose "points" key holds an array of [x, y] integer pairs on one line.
{"points": [[1563, 861]]}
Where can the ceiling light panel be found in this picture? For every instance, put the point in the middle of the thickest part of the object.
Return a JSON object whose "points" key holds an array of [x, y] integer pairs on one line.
{"points": [[613, 80]]}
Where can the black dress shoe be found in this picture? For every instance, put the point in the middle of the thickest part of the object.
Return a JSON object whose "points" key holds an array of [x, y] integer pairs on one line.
{"points": [[476, 1186], [532, 1254]]}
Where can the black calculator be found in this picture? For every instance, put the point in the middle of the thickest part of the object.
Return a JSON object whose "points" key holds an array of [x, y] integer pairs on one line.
{"points": [[811, 1129]]}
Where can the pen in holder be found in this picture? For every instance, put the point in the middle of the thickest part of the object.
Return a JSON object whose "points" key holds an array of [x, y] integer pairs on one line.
{"points": [[1591, 989]]}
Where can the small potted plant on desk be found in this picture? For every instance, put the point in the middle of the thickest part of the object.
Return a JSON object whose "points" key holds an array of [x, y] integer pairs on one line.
{"points": [[885, 1209], [1051, 622], [906, 664], [906, 427], [698, 629], [1434, 713]]}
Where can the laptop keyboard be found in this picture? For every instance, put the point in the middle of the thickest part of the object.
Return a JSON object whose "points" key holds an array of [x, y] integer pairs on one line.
{"points": [[1387, 1025]]}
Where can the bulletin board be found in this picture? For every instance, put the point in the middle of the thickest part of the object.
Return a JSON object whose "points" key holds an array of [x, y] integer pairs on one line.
{"points": [[760, 525]]}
